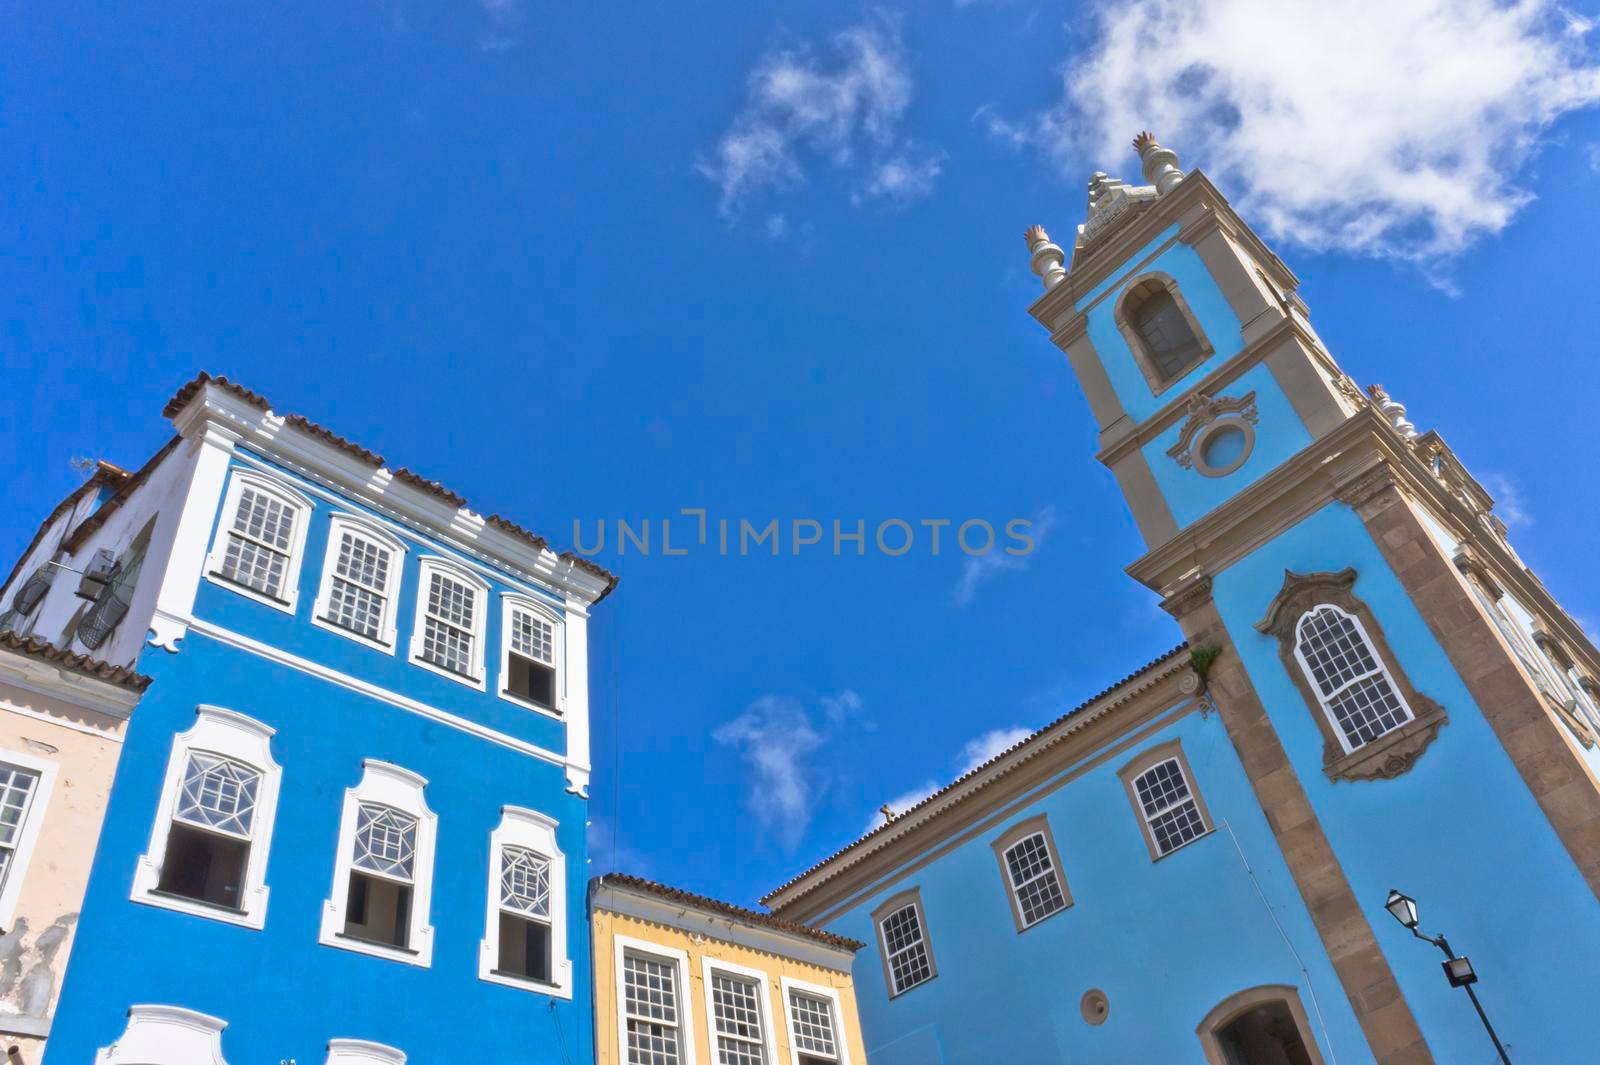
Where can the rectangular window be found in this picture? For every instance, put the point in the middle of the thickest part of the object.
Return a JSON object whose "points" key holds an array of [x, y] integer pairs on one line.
{"points": [[383, 866], [530, 657], [208, 845], [359, 588], [16, 792], [905, 949], [650, 1010], [736, 1011], [524, 914], [811, 1025], [259, 543], [1169, 807], [1032, 874], [449, 624]]}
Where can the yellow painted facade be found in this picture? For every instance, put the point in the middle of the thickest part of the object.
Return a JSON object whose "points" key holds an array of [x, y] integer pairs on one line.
{"points": [[695, 951]]}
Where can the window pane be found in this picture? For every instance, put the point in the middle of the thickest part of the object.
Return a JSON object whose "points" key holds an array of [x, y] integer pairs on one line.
{"points": [[524, 881], [359, 584], [1367, 709], [649, 989], [908, 955], [378, 910], [254, 566], [1171, 343], [527, 679], [386, 840], [524, 947], [813, 1023], [451, 601], [218, 793], [264, 519], [1161, 786], [1169, 806], [651, 1044], [1034, 879], [532, 637], [203, 866], [736, 1009], [16, 785], [258, 546], [1177, 826], [1334, 650]]}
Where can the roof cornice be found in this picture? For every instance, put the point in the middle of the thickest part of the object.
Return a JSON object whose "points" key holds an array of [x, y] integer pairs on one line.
{"points": [[231, 414], [38, 666]]}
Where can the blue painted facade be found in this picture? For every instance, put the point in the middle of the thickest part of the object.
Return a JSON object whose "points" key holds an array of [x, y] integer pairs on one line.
{"points": [[1178, 944], [283, 994]]}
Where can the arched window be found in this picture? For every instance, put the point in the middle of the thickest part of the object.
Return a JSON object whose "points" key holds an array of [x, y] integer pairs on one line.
{"points": [[1348, 677], [1261, 1026], [166, 1035], [1161, 330], [525, 934]]}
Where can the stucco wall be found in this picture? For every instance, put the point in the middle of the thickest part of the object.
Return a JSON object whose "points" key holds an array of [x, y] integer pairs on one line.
{"points": [[36, 943], [608, 926]]}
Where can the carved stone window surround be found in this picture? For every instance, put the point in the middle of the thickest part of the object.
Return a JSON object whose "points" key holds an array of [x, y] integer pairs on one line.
{"points": [[1396, 751], [1153, 376]]}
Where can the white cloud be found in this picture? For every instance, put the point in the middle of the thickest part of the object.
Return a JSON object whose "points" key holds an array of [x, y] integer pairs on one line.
{"points": [[1509, 506], [979, 570], [844, 105], [1392, 128], [976, 752], [777, 736]]}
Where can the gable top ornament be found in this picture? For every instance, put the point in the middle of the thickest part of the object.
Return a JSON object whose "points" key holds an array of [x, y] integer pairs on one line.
{"points": [[1393, 410]]}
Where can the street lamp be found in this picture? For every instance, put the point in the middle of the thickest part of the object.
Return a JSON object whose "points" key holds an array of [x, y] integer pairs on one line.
{"points": [[1458, 971]]}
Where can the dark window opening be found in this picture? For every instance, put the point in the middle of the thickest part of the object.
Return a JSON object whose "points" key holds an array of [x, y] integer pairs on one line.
{"points": [[533, 681], [204, 866], [524, 948], [806, 1059], [378, 910], [1168, 340], [1265, 1035]]}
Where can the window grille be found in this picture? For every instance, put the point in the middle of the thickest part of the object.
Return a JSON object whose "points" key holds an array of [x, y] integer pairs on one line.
{"points": [[532, 637], [1169, 806], [525, 882], [448, 624], [650, 1010], [359, 589], [259, 542], [16, 789], [1343, 668], [219, 794], [1034, 880], [386, 841], [812, 1023], [906, 949], [736, 1009]]}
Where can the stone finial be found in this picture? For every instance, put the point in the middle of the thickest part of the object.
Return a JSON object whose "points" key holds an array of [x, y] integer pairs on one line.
{"points": [[1160, 164], [1392, 410], [1049, 262]]}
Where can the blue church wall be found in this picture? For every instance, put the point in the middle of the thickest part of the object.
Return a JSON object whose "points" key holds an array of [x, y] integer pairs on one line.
{"points": [[1493, 876], [1165, 940], [1204, 296], [1280, 434], [282, 993]]}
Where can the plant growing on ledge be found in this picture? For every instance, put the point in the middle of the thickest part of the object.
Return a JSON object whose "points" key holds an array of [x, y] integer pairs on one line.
{"points": [[1200, 660]]}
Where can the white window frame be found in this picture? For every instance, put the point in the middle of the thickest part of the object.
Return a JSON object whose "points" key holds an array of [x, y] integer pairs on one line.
{"points": [[623, 945], [1149, 819], [428, 566], [831, 994], [1323, 701], [1053, 873], [27, 840], [385, 784], [363, 1052], [238, 481], [166, 1035], [908, 900], [534, 831], [510, 601], [710, 965], [338, 525], [243, 739]]}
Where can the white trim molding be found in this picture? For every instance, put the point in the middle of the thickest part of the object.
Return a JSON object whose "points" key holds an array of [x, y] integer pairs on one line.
{"points": [[363, 1052], [26, 839], [301, 509], [431, 566], [388, 785], [709, 966], [830, 995], [166, 1035], [1346, 680], [372, 535], [683, 994], [510, 604], [536, 832], [232, 736]]}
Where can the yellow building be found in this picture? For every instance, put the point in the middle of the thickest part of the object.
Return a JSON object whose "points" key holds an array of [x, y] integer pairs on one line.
{"points": [[680, 979]]}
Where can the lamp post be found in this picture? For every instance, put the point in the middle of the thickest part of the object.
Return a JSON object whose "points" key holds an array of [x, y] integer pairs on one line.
{"points": [[1458, 971]]}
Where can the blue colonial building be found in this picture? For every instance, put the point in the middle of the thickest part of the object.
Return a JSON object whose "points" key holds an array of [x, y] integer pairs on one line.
{"points": [[1373, 693], [352, 803]]}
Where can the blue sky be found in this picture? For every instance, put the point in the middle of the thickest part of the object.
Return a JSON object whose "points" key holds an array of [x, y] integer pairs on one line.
{"points": [[610, 261]]}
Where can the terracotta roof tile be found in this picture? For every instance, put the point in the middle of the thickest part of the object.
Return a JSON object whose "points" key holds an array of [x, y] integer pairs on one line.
{"points": [[33, 647], [963, 778], [416, 480], [593, 570], [181, 398], [726, 909], [328, 436], [511, 528]]}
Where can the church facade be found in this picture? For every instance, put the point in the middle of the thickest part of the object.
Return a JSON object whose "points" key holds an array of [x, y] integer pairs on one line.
{"points": [[352, 798], [1375, 702]]}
